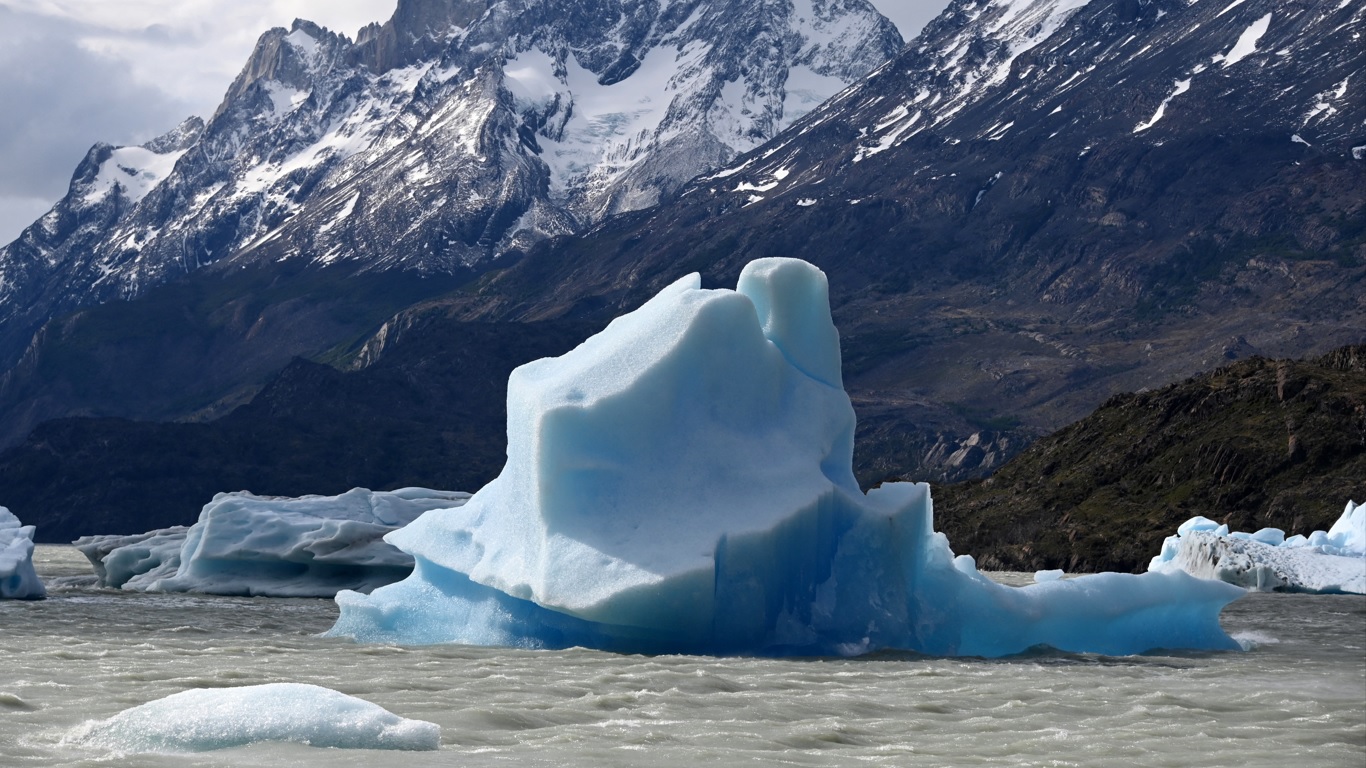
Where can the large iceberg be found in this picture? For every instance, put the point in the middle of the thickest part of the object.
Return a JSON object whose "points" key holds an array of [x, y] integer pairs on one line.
{"points": [[18, 579], [243, 544], [682, 482], [205, 719], [1326, 562]]}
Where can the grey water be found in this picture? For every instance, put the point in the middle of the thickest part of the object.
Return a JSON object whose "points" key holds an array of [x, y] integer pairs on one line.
{"points": [[1296, 697]]}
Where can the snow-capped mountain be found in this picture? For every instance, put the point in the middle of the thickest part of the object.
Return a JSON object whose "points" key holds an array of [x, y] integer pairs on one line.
{"points": [[1104, 150], [455, 131], [1036, 204]]}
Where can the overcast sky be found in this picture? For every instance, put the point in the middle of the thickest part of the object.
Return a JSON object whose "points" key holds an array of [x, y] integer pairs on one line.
{"points": [[74, 72]]}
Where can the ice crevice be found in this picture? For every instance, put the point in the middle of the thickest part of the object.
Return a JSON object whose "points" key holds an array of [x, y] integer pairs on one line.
{"points": [[682, 483]]}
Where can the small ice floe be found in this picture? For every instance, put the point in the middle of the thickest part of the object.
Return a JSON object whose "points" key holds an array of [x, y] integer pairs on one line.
{"points": [[1331, 562], [206, 719], [1053, 575], [311, 546], [18, 580]]}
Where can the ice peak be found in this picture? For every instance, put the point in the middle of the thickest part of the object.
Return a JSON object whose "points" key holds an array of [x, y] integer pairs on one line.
{"points": [[792, 299]]}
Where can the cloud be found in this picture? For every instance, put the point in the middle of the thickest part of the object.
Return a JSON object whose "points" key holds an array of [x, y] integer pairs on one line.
{"points": [[60, 99], [75, 73]]}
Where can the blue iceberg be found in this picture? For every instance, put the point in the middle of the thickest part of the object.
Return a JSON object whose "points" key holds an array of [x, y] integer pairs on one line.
{"points": [[682, 483], [18, 579]]}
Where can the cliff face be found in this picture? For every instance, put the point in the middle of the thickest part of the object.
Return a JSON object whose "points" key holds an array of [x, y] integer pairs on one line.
{"points": [[1260, 443]]}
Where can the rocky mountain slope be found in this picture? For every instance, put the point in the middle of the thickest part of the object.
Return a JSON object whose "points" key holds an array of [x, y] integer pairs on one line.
{"points": [[1039, 204], [1259, 443], [1020, 216], [457, 130]]}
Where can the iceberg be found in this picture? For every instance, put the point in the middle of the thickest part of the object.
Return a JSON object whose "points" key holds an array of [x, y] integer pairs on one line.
{"points": [[205, 719], [243, 544], [1323, 562], [682, 483], [18, 579]]}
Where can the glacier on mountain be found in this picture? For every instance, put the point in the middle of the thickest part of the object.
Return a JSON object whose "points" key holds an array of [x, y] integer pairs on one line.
{"points": [[243, 544], [18, 579], [1329, 561], [206, 719], [681, 482]]}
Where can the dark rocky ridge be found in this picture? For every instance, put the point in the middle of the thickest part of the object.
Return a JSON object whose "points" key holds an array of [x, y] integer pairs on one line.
{"points": [[414, 419], [1259, 443]]}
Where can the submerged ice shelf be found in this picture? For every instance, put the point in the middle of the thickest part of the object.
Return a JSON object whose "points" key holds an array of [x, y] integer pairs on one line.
{"points": [[682, 482], [1332, 561], [243, 544]]}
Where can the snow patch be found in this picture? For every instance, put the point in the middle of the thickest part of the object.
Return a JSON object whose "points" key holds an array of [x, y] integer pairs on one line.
{"points": [[135, 170], [1247, 42], [1181, 87]]}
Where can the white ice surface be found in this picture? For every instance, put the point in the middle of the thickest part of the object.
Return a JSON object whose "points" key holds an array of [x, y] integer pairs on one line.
{"points": [[205, 719], [1332, 561], [682, 482], [244, 544], [18, 580]]}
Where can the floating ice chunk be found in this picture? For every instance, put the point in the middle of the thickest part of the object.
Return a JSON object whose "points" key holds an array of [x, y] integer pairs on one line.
{"points": [[1196, 524], [1053, 575], [1348, 534], [244, 544], [18, 580], [138, 558], [1332, 561], [682, 482], [206, 719]]}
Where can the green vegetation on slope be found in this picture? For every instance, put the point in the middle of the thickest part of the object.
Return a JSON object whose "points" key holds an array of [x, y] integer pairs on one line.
{"points": [[1259, 443]]}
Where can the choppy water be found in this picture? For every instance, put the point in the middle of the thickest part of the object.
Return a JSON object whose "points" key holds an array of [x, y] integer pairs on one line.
{"points": [[1297, 698]]}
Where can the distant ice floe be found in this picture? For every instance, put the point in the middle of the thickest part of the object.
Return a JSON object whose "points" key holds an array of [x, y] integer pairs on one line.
{"points": [[205, 719], [1332, 562], [18, 580], [682, 483], [244, 544]]}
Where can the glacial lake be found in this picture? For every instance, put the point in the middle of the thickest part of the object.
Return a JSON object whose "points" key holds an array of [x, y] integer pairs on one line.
{"points": [[1296, 698]]}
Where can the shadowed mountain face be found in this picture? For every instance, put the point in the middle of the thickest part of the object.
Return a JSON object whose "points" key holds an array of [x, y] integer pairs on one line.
{"points": [[1035, 206], [1260, 443], [425, 416]]}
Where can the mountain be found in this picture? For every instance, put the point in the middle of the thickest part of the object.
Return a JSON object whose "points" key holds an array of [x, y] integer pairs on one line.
{"points": [[1039, 204], [1033, 207], [1259, 443], [411, 419], [458, 130]]}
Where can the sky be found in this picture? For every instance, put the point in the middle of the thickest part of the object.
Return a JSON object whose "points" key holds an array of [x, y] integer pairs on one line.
{"points": [[76, 72]]}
